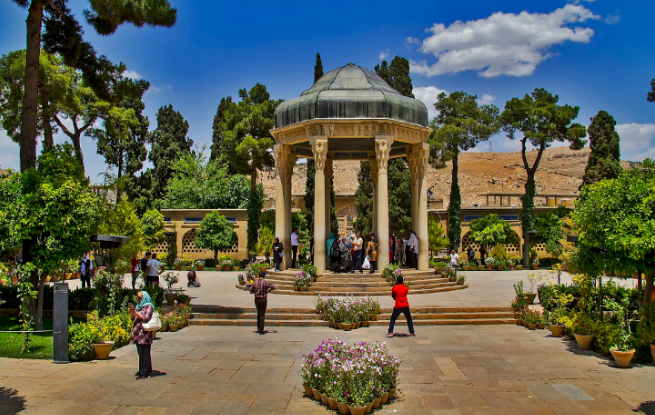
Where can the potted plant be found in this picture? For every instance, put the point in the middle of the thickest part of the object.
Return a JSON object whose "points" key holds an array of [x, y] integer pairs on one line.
{"points": [[200, 264], [541, 320], [178, 264], [171, 279], [460, 279], [559, 314], [510, 264], [174, 321], [535, 263], [530, 319], [646, 326], [623, 352], [164, 322], [301, 281], [183, 299], [532, 279], [439, 266], [516, 305], [227, 264], [500, 265], [241, 278], [450, 273], [583, 330], [489, 263]]}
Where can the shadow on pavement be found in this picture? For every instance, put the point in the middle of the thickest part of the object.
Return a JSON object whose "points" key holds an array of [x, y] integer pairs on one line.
{"points": [[647, 408], [10, 402]]}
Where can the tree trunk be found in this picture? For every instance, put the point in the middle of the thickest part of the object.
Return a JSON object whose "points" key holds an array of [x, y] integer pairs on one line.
{"points": [[76, 138], [648, 292], [526, 215], [38, 321], [28, 131]]}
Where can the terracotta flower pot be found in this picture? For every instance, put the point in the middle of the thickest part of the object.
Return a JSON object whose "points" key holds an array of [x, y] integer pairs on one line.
{"points": [[365, 323], [303, 288], [500, 267], [392, 393], [242, 282], [557, 330], [369, 408], [358, 324], [347, 326], [532, 326], [342, 409], [385, 398], [530, 297], [227, 267], [519, 267], [438, 270], [515, 309], [317, 394], [339, 326], [332, 403], [324, 400], [622, 359], [170, 298], [68, 275], [584, 340], [652, 352], [332, 324], [235, 268], [377, 402], [511, 267], [357, 410], [373, 317], [103, 349], [188, 268], [173, 327], [308, 391], [535, 266], [460, 282], [164, 327], [200, 267], [178, 267], [541, 326], [519, 322]]}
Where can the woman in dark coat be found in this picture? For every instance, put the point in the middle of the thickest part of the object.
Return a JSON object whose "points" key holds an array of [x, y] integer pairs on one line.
{"points": [[278, 250], [335, 255], [346, 257]]}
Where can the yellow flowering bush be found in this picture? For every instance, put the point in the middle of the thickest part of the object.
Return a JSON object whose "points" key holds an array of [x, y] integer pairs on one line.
{"points": [[116, 328]]}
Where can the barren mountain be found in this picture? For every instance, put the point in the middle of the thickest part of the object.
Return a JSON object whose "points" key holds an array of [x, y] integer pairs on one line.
{"points": [[560, 172]]}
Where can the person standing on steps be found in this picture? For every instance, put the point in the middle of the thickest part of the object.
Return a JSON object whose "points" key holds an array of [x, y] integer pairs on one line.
{"points": [[399, 293], [294, 247], [357, 253], [261, 288], [454, 260], [372, 252], [278, 253], [412, 250]]}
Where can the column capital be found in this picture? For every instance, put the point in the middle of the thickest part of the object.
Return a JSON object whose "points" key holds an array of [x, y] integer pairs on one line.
{"points": [[285, 158], [418, 159], [320, 150], [382, 147]]}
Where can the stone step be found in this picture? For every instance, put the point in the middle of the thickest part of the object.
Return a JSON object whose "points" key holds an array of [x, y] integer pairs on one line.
{"points": [[400, 323], [357, 282], [372, 292], [406, 272], [253, 316], [453, 316]]}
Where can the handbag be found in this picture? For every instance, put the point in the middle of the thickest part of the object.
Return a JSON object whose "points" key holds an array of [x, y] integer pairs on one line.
{"points": [[153, 324], [366, 264]]}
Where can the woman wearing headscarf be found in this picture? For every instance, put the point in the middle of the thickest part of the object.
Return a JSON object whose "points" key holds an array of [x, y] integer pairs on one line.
{"points": [[328, 246], [335, 254], [346, 258], [278, 253], [140, 337]]}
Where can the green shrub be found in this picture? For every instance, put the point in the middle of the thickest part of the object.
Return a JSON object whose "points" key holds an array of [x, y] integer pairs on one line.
{"points": [[82, 336], [81, 299]]}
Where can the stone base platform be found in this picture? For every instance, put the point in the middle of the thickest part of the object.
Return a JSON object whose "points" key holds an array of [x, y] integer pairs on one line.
{"points": [[367, 284], [307, 317]]}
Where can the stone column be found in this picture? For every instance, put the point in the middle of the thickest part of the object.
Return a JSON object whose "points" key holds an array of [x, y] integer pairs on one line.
{"points": [[419, 163], [382, 148], [374, 175], [320, 148], [411, 159], [284, 161], [328, 181]]}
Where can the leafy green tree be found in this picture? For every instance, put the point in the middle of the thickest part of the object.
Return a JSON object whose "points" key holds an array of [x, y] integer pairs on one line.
{"points": [[490, 231], [255, 206], [651, 94], [215, 233], [10, 213], [217, 148], [615, 220], [400, 206], [152, 226], [541, 122], [123, 220], [198, 183], [169, 144], [436, 238], [397, 75], [63, 35], [364, 200], [318, 68], [551, 229], [460, 126], [605, 158], [310, 192]]}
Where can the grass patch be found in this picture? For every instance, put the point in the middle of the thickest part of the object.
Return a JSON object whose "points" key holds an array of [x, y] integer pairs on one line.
{"points": [[12, 343]]}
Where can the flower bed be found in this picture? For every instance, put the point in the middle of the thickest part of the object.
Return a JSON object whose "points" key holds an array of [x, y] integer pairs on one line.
{"points": [[346, 312], [355, 375]]}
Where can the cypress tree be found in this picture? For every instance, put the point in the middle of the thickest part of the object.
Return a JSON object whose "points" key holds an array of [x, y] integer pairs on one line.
{"points": [[651, 94], [318, 68], [364, 199], [605, 158]]}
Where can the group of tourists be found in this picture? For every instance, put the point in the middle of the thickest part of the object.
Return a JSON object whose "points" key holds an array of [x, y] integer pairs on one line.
{"points": [[404, 251]]}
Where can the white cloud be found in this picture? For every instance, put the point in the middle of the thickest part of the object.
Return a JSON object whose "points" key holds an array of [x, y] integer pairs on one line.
{"points": [[486, 99], [636, 141], [503, 43], [428, 96], [580, 1], [132, 75], [413, 40], [383, 55], [612, 18], [158, 89]]}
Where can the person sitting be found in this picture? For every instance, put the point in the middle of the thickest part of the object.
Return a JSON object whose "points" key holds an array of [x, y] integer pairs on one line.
{"points": [[192, 278]]}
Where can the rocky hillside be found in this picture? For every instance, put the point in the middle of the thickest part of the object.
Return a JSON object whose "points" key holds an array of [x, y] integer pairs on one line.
{"points": [[560, 172]]}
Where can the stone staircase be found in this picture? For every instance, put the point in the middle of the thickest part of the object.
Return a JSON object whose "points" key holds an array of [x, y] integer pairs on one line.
{"points": [[307, 317], [420, 282]]}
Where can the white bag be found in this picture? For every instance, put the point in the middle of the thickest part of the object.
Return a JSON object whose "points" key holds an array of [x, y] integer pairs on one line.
{"points": [[136, 267], [366, 264], [154, 324]]}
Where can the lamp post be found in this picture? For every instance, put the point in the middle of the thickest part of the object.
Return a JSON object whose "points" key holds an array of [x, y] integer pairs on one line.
{"points": [[526, 247]]}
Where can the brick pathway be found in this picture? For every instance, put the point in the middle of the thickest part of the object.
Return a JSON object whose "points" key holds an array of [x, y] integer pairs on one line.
{"points": [[231, 370]]}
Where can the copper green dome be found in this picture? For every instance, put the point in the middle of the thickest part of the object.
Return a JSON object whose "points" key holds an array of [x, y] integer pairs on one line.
{"points": [[351, 92]]}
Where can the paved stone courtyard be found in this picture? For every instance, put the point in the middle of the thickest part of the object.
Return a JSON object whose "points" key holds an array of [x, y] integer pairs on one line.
{"points": [[232, 370]]}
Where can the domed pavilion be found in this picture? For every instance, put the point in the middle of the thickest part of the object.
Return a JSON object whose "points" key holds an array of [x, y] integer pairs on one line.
{"points": [[351, 113]]}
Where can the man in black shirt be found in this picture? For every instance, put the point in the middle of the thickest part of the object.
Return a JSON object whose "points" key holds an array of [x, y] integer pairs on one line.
{"points": [[143, 265]]}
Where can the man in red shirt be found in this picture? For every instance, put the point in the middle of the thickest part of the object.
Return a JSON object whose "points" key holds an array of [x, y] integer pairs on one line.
{"points": [[399, 293]]}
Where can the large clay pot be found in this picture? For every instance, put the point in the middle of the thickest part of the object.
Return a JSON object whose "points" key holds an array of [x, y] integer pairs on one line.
{"points": [[557, 330], [332, 403], [342, 409], [170, 298], [385, 398], [541, 326], [584, 340], [324, 400], [227, 267], [519, 267], [377, 402], [530, 297], [303, 288], [532, 326], [535, 266], [437, 270], [103, 349], [392, 393], [365, 323], [622, 359], [357, 410], [173, 327], [511, 267], [500, 267], [347, 326], [199, 267], [373, 317], [178, 267], [652, 352], [317, 394], [308, 391], [369, 408], [490, 267]]}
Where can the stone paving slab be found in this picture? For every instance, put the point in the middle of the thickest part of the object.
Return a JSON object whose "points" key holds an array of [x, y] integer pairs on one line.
{"points": [[232, 370]]}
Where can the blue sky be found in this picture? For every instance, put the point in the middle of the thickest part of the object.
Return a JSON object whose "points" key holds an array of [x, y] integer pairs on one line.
{"points": [[594, 54]]}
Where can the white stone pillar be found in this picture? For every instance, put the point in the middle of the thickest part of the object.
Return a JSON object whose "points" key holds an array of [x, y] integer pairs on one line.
{"points": [[328, 195], [319, 148], [411, 158], [284, 161], [374, 175], [421, 153], [382, 148]]}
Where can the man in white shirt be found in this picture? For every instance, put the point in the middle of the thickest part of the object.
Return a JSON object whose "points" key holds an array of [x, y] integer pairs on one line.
{"points": [[154, 268], [357, 243], [294, 247], [454, 260], [412, 247]]}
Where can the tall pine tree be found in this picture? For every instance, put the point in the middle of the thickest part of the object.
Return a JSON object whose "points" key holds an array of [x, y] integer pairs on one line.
{"points": [[364, 200], [651, 94], [318, 68], [218, 147], [605, 158], [169, 144]]}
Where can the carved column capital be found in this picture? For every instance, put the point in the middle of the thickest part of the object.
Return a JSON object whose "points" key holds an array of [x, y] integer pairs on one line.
{"points": [[320, 150], [285, 159], [382, 147], [418, 159]]}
